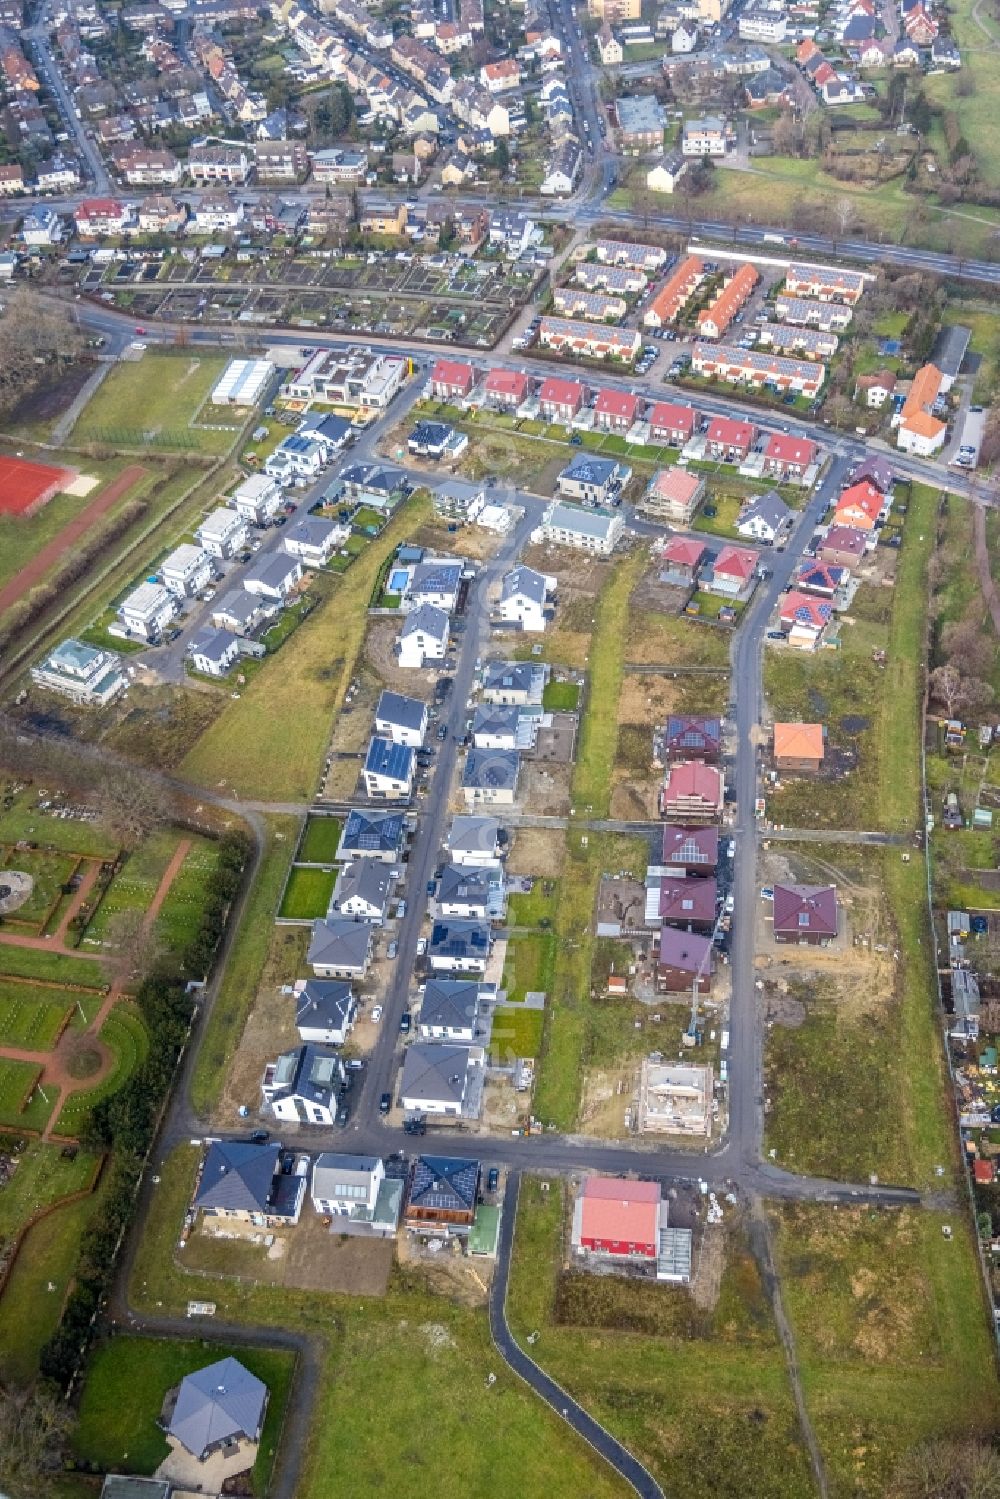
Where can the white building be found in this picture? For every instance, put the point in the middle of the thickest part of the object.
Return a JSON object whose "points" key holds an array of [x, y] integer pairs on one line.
{"points": [[401, 719], [214, 651], [315, 540], [345, 1185], [296, 457], [424, 636], [704, 137], [523, 594], [42, 226], [436, 1077], [148, 610], [389, 769], [258, 499], [303, 1086], [588, 529], [273, 577], [222, 533], [187, 570], [82, 673]]}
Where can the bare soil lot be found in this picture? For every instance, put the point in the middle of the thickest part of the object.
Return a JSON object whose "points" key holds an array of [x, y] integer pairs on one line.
{"points": [[537, 851], [544, 788]]}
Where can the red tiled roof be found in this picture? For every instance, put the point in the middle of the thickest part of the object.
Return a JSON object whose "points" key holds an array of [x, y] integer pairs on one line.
{"points": [[845, 539], [790, 449], [687, 845], [693, 778], [684, 552], [803, 909], [737, 562], [730, 433], [683, 900], [671, 415], [688, 951], [561, 391], [506, 383], [802, 609], [617, 403], [626, 1212]]}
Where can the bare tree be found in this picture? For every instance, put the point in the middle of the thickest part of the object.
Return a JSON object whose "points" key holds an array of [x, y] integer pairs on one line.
{"points": [[956, 693], [132, 805], [130, 949], [965, 645], [34, 1428]]}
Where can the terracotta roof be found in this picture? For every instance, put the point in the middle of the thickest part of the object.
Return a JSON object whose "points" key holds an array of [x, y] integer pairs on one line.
{"points": [[863, 500], [684, 552], [730, 433], [677, 289], [506, 382], [561, 391], [737, 561], [617, 403], [452, 371], [732, 297], [790, 449], [672, 415], [676, 484], [798, 741], [692, 778], [627, 1211], [803, 609]]}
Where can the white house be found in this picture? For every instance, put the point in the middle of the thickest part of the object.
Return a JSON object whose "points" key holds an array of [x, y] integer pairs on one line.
{"points": [[273, 577], [42, 226], [474, 840], [523, 593], [187, 570], [82, 673], [469, 891], [222, 533], [389, 769], [346, 1186], [401, 719], [340, 948], [424, 636], [436, 583], [303, 1085], [214, 651], [315, 540], [450, 1009], [296, 457], [257, 499], [764, 518], [490, 777], [148, 610], [590, 530], [324, 1010], [363, 890], [436, 1077]]}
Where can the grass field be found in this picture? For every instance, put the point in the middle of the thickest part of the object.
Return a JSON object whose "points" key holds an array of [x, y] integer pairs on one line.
{"points": [[242, 972], [249, 746], [891, 1336], [701, 1398], [53, 967], [517, 1032], [32, 1018], [560, 697], [307, 894], [591, 788], [183, 905], [489, 1437], [44, 1176], [668, 640], [160, 394], [24, 819], [126, 1036], [17, 1079], [530, 965], [134, 886], [319, 840], [123, 1391]]}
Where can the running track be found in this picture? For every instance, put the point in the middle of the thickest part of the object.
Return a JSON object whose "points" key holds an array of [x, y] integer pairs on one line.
{"points": [[35, 571]]}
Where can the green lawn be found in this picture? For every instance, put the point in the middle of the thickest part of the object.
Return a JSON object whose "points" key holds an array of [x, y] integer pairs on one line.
{"points": [[319, 840], [183, 905], [529, 965], [159, 395], [22, 538], [892, 1338], [723, 522], [36, 963], [490, 1437], [134, 886], [307, 894], [599, 730], [560, 697], [24, 819], [538, 905], [32, 1018], [49, 871], [246, 962], [17, 1079], [249, 746], [517, 1032], [123, 1390], [701, 1398], [44, 1176], [126, 1036]]}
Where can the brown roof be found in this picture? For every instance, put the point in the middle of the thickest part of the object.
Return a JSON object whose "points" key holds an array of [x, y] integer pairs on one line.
{"points": [[798, 741], [805, 910]]}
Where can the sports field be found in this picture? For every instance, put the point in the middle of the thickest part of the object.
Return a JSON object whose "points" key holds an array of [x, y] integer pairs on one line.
{"points": [[25, 486]]}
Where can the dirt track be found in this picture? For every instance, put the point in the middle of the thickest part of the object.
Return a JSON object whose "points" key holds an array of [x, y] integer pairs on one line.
{"points": [[40, 565]]}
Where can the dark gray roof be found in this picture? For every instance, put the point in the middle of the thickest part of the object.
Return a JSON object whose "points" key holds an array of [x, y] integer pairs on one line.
{"points": [[310, 1072], [514, 676], [493, 770], [435, 577], [324, 1004], [434, 1072], [473, 834], [237, 1176], [460, 938], [272, 570], [769, 507], [524, 580], [372, 832], [452, 1003], [339, 943], [395, 708], [587, 470], [428, 618], [367, 879], [314, 531], [212, 643], [125, 1486], [238, 605], [221, 1401], [334, 1169], [463, 882], [950, 349], [444, 1183], [496, 718]]}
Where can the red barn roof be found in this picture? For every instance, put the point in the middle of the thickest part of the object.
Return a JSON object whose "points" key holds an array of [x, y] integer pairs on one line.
{"points": [[452, 372], [618, 1211]]}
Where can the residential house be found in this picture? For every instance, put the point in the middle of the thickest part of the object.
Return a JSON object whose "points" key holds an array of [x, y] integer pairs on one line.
{"points": [[372, 835], [804, 617], [474, 841], [451, 380], [346, 1186], [688, 734], [505, 390], [340, 948], [148, 610], [675, 293], [688, 903], [389, 769], [450, 1009], [919, 430], [561, 400], [825, 283], [474, 892], [401, 719], [616, 410], [617, 1221], [640, 122], [459, 945], [704, 137], [219, 166], [682, 557], [728, 440], [591, 530], [257, 499], [790, 338], [241, 612], [273, 577], [521, 683], [589, 341], [573, 302], [442, 1194], [314, 540], [694, 850], [806, 914], [101, 218], [362, 891], [673, 496], [436, 583], [609, 48], [324, 1011], [875, 389], [763, 518], [490, 777], [732, 571], [303, 1085], [876, 468], [799, 746], [664, 177], [693, 791], [714, 320], [829, 317], [759, 370], [241, 1182], [424, 636], [497, 727], [684, 962], [214, 651], [821, 578], [222, 533], [788, 458], [843, 546], [523, 596], [671, 423], [82, 673], [621, 252], [41, 227], [592, 480], [674, 1099], [216, 1409], [861, 506], [500, 77]]}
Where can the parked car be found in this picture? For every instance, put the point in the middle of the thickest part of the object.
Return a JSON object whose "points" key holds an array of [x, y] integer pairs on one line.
{"points": [[376, 1014], [385, 1103], [392, 950], [493, 1179], [405, 1022], [421, 946], [260, 1136]]}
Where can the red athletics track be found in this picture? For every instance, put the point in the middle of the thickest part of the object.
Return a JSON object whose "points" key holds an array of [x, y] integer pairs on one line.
{"points": [[40, 565], [24, 486]]}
